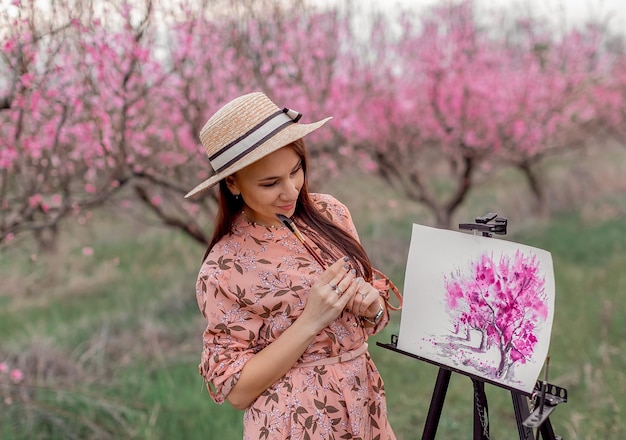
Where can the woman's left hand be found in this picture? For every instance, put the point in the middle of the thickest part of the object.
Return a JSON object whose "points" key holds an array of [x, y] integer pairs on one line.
{"points": [[366, 300]]}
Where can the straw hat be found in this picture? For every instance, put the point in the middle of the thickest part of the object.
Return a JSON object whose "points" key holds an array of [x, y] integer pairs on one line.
{"points": [[245, 130]]}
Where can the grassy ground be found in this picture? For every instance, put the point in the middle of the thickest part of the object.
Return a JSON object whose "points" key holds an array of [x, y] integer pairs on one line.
{"points": [[109, 343]]}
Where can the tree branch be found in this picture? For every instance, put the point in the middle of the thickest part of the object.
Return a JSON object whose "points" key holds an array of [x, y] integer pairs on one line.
{"points": [[188, 228]]}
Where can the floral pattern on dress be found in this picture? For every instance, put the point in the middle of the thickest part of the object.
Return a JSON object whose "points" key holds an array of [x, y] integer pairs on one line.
{"points": [[251, 287]]}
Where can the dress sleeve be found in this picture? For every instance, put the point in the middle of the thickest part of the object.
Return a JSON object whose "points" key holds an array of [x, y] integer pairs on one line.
{"points": [[228, 341]]}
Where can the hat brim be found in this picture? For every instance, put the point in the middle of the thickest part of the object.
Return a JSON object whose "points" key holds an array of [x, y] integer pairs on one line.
{"points": [[286, 136]]}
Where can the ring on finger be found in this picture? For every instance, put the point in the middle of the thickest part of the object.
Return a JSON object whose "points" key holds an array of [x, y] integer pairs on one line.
{"points": [[363, 294], [339, 291], [333, 286]]}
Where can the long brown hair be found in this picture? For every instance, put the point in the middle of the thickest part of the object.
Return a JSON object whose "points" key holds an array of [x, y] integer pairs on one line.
{"points": [[307, 216]]}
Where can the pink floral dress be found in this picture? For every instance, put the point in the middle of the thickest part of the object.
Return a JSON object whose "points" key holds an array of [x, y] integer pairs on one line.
{"points": [[252, 286]]}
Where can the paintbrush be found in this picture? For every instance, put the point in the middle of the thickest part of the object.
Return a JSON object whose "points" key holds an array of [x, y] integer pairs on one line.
{"points": [[294, 229]]}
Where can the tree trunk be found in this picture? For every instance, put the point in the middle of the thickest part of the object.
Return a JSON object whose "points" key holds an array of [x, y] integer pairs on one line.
{"points": [[47, 239], [463, 185], [536, 188]]}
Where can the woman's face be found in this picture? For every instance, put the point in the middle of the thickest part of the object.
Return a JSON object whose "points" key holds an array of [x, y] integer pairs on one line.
{"points": [[269, 186]]}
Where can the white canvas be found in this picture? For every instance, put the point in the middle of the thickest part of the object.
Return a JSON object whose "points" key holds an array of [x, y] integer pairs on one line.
{"points": [[480, 305]]}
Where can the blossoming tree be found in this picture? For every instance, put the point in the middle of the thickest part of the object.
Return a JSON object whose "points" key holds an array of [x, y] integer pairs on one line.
{"points": [[102, 100], [456, 99], [107, 101]]}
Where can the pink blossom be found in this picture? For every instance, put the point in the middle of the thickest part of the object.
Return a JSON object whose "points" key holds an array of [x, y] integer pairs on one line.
{"points": [[90, 188], [35, 200], [27, 79], [192, 209], [370, 166], [16, 375], [8, 155], [87, 251], [3, 367], [8, 46]]}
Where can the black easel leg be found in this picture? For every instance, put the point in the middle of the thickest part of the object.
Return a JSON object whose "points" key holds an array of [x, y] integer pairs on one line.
{"points": [[520, 406], [547, 433], [481, 411], [436, 404]]}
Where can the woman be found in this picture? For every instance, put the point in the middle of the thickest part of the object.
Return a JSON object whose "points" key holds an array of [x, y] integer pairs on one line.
{"points": [[287, 319]]}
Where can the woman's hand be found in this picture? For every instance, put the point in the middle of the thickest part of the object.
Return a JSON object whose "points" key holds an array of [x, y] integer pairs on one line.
{"points": [[366, 300], [329, 295]]}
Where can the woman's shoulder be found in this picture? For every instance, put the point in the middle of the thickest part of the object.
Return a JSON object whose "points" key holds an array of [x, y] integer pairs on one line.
{"points": [[326, 201], [225, 249], [333, 209]]}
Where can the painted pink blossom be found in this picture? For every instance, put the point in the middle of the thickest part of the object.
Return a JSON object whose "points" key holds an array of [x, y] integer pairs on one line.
{"points": [[504, 301]]}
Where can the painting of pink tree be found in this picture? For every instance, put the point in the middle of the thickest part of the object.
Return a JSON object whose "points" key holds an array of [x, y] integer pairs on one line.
{"points": [[501, 302], [478, 305]]}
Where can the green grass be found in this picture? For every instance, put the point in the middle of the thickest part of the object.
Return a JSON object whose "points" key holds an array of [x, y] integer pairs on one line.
{"points": [[110, 344], [126, 319]]}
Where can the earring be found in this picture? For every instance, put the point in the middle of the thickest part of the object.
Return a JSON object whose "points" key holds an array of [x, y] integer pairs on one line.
{"points": [[237, 197]]}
